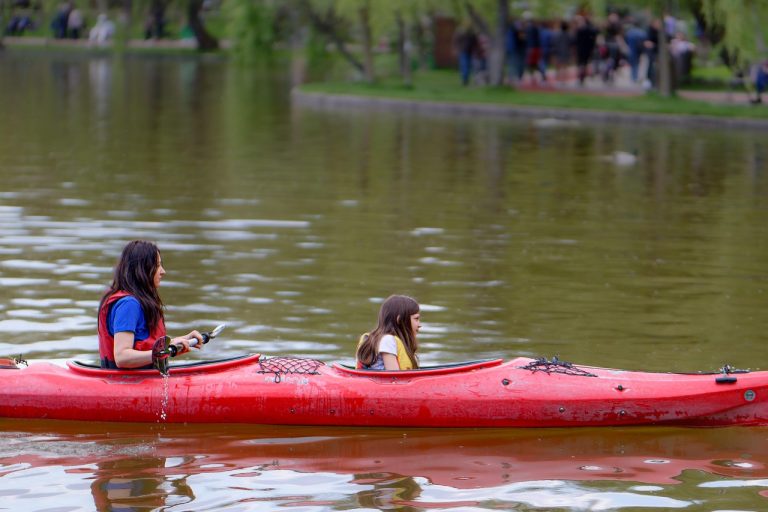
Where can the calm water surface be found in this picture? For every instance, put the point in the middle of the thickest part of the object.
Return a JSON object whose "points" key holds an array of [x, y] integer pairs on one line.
{"points": [[290, 224]]}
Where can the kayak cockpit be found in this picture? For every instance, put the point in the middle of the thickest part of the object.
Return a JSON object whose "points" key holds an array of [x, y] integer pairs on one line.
{"points": [[208, 366], [424, 371]]}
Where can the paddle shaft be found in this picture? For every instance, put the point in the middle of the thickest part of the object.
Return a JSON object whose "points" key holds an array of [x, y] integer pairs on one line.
{"points": [[178, 347]]}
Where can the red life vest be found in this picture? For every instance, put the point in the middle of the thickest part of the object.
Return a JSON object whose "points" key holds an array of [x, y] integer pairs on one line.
{"points": [[107, 341]]}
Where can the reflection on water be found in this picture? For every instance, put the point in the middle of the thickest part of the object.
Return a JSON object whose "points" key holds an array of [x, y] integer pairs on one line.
{"points": [[291, 223], [140, 467]]}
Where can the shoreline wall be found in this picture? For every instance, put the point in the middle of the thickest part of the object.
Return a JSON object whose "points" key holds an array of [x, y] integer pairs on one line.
{"points": [[333, 101]]}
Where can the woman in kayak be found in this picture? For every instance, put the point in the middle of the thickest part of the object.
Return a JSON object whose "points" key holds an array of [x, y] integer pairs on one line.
{"points": [[392, 344], [131, 311]]}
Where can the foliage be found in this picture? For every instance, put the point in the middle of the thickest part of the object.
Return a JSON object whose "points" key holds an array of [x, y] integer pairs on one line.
{"points": [[744, 23], [251, 27], [382, 13]]}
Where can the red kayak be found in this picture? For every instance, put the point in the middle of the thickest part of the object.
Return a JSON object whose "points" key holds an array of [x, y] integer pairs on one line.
{"points": [[254, 389]]}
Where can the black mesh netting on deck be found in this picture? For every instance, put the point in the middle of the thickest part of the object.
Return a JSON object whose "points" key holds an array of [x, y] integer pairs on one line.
{"points": [[289, 365], [556, 366]]}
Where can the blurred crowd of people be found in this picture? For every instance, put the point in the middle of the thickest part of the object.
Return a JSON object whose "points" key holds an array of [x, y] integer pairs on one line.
{"points": [[68, 22], [577, 48], [21, 19]]}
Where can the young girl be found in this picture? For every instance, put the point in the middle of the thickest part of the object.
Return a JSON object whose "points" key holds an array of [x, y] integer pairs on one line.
{"points": [[131, 311], [392, 344]]}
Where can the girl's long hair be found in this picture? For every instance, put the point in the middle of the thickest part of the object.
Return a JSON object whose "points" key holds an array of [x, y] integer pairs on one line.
{"points": [[394, 318], [134, 273]]}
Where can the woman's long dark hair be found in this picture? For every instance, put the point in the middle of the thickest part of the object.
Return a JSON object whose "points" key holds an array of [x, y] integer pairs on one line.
{"points": [[135, 273], [394, 318]]}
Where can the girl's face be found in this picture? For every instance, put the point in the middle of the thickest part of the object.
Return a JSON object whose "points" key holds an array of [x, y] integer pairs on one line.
{"points": [[159, 273], [415, 323]]}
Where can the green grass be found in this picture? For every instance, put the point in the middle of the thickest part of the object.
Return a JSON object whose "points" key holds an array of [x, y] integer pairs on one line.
{"points": [[712, 73], [712, 78], [443, 86]]}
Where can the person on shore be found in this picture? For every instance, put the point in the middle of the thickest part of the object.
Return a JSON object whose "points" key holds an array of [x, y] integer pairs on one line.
{"points": [[651, 45], [59, 21], [547, 40], [614, 42], [75, 23], [467, 47], [514, 42], [392, 344], [585, 41], [21, 21], [533, 48], [635, 39], [562, 45], [681, 51], [760, 73], [102, 31], [131, 312]]}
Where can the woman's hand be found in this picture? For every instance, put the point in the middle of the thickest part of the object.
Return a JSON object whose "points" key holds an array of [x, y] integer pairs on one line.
{"points": [[187, 339]]}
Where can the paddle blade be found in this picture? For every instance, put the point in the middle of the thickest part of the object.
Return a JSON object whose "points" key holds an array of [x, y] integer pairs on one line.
{"points": [[160, 353]]}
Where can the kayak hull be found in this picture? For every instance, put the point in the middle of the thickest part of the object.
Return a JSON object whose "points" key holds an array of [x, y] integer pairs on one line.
{"points": [[517, 393]]}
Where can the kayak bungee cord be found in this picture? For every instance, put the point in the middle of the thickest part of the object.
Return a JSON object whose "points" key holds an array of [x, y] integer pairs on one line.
{"points": [[286, 365], [555, 366]]}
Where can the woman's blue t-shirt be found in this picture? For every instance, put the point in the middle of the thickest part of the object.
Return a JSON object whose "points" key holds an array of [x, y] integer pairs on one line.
{"points": [[126, 315]]}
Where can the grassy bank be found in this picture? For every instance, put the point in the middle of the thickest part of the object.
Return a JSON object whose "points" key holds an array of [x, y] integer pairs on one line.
{"points": [[444, 86]]}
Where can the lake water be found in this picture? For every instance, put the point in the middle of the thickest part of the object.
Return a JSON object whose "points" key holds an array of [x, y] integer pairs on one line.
{"points": [[291, 224]]}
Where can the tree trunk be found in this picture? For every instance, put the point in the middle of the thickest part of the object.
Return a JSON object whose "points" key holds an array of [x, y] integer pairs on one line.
{"points": [[496, 40], [403, 50], [3, 22], [498, 50], [205, 41], [298, 60], [666, 84], [365, 25], [156, 27], [420, 43], [127, 12]]}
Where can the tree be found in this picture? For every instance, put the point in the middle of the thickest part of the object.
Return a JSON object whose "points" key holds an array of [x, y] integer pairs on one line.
{"points": [[403, 45], [408, 16], [331, 17], [156, 24], [3, 22], [252, 27], [205, 41], [328, 23], [363, 8], [494, 31], [744, 25]]}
